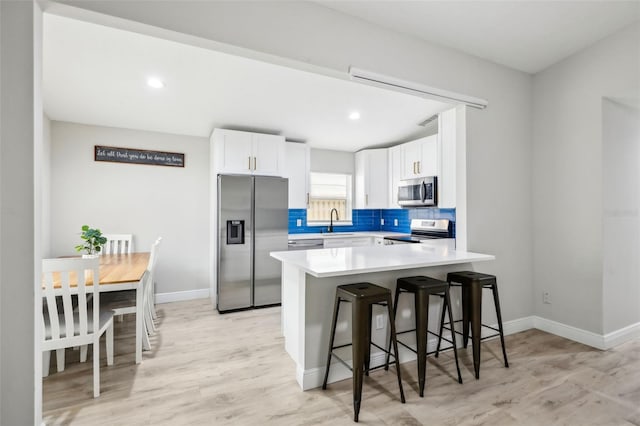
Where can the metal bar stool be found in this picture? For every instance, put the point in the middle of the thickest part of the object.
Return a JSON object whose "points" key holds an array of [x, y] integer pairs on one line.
{"points": [[472, 284], [422, 288], [362, 297]]}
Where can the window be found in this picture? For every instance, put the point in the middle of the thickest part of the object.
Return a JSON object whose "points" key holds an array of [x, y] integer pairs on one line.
{"points": [[329, 191]]}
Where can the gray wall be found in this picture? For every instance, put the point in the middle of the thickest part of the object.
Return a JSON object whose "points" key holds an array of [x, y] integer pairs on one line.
{"points": [[328, 161], [146, 201], [499, 142], [621, 221], [46, 187], [20, 226], [568, 169]]}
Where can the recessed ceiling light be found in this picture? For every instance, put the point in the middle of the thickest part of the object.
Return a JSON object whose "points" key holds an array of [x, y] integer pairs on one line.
{"points": [[155, 82], [355, 115]]}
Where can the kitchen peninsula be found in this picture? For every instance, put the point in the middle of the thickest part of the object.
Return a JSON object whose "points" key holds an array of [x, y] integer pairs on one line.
{"points": [[309, 280]]}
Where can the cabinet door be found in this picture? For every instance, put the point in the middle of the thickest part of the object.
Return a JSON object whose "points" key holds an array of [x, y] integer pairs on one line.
{"points": [[232, 151], [372, 179], [395, 175], [429, 157], [268, 154], [361, 180], [297, 170], [410, 153], [377, 178], [336, 242]]}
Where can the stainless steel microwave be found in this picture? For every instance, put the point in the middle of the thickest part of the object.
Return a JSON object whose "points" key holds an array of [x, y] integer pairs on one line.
{"points": [[422, 192]]}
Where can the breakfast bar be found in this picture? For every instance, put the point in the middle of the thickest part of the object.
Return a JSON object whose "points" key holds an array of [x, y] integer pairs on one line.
{"points": [[309, 281]]}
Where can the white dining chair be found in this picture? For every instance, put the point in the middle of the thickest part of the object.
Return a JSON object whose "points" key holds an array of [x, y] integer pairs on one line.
{"points": [[66, 324], [124, 302], [118, 244], [152, 290]]}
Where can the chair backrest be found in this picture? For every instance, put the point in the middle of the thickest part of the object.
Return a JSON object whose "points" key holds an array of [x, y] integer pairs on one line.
{"points": [[63, 278], [118, 244], [153, 258]]}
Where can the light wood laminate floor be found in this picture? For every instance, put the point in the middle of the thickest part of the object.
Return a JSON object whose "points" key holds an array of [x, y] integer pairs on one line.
{"points": [[210, 369]]}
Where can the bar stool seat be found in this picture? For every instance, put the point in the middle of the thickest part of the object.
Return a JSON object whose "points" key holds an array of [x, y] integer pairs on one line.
{"points": [[472, 284], [422, 287], [362, 297]]}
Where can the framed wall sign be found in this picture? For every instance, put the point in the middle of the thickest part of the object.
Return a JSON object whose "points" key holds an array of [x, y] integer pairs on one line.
{"points": [[138, 156]]}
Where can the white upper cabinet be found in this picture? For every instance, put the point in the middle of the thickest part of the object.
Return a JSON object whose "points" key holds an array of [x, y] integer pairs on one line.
{"points": [[372, 179], [248, 153], [395, 175], [420, 158], [297, 170]]}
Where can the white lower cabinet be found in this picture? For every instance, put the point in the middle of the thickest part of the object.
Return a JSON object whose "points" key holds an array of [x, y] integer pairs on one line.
{"points": [[348, 242]]}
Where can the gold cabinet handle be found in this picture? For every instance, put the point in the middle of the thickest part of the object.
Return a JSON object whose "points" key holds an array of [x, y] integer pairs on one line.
{"points": [[366, 199], [249, 167], [414, 168], [307, 199], [418, 167], [255, 163]]}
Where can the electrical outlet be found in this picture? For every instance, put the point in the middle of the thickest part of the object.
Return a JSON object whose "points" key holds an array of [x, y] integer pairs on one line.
{"points": [[379, 321], [395, 222], [381, 221], [298, 222], [546, 297]]}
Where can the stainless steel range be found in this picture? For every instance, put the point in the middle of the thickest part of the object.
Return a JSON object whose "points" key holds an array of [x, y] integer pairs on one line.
{"points": [[429, 231]]}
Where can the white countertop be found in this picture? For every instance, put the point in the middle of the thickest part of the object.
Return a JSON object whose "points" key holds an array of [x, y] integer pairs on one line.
{"points": [[334, 262], [338, 234]]}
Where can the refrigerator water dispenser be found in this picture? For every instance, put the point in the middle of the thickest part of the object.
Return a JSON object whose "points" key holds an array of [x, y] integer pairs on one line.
{"points": [[235, 232]]}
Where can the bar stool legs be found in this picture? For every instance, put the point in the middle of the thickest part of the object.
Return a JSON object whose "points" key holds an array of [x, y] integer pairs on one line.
{"points": [[362, 297], [394, 340], [422, 288], [472, 284], [496, 301], [332, 336]]}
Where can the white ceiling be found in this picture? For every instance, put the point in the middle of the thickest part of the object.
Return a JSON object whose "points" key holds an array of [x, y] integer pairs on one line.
{"points": [[524, 35], [94, 74], [97, 75]]}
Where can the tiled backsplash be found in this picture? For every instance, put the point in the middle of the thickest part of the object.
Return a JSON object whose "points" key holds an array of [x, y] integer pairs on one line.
{"points": [[363, 220], [369, 220]]}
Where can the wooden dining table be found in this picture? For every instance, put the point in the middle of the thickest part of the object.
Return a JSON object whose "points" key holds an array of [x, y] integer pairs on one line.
{"points": [[120, 272]]}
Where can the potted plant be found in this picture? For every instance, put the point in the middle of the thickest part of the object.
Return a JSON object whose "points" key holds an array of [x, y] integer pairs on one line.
{"points": [[93, 241]]}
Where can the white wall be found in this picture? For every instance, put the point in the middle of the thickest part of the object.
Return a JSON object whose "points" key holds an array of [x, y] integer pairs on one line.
{"points": [[20, 227], [568, 175], [621, 206], [147, 201], [499, 175]]}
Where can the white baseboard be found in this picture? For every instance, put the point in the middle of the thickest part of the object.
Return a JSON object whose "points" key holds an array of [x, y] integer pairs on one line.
{"points": [[517, 325], [589, 338], [178, 296], [569, 332], [623, 335]]}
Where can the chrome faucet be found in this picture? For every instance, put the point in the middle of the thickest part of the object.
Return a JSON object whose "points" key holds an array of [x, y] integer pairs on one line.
{"points": [[330, 228]]}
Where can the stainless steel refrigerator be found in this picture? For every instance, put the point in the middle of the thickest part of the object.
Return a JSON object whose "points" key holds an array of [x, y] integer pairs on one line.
{"points": [[253, 220]]}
